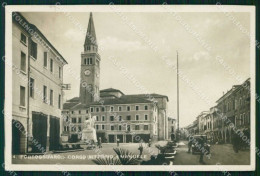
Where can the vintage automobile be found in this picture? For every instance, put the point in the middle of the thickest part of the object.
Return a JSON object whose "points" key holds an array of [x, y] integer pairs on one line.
{"points": [[196, 147]]}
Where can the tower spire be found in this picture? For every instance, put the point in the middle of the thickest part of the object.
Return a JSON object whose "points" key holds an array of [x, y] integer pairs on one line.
{"points": [[90, 67], [91, 34]]}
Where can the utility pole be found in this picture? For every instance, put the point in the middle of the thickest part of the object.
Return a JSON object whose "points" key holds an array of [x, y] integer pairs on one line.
{"points": [[178, 118]]}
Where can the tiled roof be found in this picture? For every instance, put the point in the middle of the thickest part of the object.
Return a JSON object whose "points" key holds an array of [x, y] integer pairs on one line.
{"points": [[106, 94], [69, 105], [233, 89], [32, 26], [148, 96], [80, 106], [75, 99], [111, 90], [123, 100]]}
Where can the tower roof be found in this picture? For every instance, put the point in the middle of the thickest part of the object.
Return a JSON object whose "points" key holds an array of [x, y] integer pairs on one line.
{"points": [[91, 34]]}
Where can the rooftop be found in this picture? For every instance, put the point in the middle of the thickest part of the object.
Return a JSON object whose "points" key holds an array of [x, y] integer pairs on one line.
{"points": [[125, 99], [32, 26], [149, 96], [229, 92]]}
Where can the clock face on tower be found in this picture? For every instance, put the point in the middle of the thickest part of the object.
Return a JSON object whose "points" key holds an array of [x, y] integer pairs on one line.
{"points": [[87, 72]]}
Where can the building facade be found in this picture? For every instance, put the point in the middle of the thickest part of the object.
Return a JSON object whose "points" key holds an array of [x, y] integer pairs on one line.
{"points": [[232, 108], [37, 89], [235, 105], [129, 118], [192, 129], [202, 122]]}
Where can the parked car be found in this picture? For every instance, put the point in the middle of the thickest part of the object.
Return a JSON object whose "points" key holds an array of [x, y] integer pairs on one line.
{"points": [[196, 148]]}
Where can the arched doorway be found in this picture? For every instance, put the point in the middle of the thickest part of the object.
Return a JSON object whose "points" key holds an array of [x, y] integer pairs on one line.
{"points": [[18, 138]]}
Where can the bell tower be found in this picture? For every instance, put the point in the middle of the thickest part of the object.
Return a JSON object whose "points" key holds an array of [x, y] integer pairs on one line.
{"points": [[90, 67]]}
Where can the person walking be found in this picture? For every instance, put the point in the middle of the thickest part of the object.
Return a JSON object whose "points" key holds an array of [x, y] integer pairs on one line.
{"points": [[236, 142], [140, 148], [99, 142], [201, 143], [189, 144], [117, 141], [172, 137], [150, 143]]}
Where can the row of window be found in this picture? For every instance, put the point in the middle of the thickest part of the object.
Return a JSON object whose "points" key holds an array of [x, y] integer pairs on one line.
{"points": [[45, 97], [112, 128], [120, 108], [88, 61], [93, 48], [128, 127], [243, 119], [45, 64], [112, 109], [234, 104], [33, 53], [45, 100], [112, 118]]}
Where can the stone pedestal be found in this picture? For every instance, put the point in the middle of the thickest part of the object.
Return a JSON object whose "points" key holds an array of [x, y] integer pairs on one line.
{"points": [[89, 135], [89, 132]]}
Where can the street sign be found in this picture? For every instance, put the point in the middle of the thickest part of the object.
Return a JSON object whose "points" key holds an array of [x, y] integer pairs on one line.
{"points": [[65, 86]]}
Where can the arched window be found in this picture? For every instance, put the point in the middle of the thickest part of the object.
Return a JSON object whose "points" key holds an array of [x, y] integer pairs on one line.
{"points": [[85, 61]]}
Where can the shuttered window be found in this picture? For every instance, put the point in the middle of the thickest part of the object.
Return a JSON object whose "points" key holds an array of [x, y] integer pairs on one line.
{"points": [[45, 59], [59, 102], [22, 96], [23, 38], [51, 97], [45, 94], [137, 127], [34, 50], [60, 72], [145, 127], [31, 87], [23, 62], [51, 65]]}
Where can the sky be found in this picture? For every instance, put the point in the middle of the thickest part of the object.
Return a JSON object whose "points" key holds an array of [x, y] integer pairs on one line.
{"points": [[132, 51]]}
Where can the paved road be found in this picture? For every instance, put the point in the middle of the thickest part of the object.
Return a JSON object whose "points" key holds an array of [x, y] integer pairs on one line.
{"points": [[223, 154]]}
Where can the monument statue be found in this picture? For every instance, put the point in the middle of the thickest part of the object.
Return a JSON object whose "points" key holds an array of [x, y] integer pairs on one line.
{"points": [[89, 131]]}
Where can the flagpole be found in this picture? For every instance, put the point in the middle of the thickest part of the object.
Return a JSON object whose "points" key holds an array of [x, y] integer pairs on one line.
{"points": [[178, 119]]}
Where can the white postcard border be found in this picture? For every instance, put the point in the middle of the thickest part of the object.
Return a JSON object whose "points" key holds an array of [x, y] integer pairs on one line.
{"points": [[123, 8]]}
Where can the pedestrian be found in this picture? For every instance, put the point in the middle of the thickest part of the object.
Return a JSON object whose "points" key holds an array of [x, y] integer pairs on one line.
{"points": [[117, 141], [189, 144], [150, 143], [99, 142], [235, 142], [140, 148], [201, 143], [172, 137]]}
